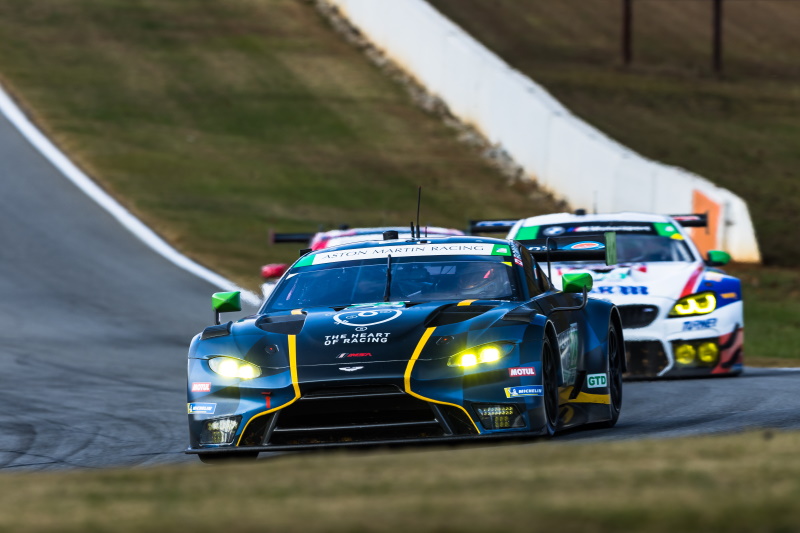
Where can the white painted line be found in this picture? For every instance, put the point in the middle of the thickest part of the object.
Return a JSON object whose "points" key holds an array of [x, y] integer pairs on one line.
{"points": [[15, 115]]}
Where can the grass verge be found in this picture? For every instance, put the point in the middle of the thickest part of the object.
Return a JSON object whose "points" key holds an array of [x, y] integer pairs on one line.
{"points": [[747, 482]]}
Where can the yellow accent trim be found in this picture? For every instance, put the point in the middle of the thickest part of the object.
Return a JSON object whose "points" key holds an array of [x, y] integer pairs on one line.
{"points": [[729, 295], [466, 302], [297, 311], [583, 397], [293, 370], [410, 367]]}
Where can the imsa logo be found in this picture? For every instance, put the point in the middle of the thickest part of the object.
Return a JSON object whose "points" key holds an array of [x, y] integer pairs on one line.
{"points": [[596, 381]]}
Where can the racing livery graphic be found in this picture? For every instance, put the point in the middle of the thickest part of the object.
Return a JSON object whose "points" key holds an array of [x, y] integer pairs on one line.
{"points": [[437, 339], [681, 315]]}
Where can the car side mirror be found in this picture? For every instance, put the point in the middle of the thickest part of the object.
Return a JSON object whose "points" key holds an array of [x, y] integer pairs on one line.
{"points": [[225, 302], [718, 258], [577, 282]]}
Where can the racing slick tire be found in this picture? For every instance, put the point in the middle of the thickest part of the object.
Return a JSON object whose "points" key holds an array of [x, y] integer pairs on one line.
{"points": [[550, 385], [615, 365], [220, 458]]}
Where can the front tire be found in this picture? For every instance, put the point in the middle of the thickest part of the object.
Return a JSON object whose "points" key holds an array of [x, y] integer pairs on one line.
{"points": [[615, 363], [550, 385]]}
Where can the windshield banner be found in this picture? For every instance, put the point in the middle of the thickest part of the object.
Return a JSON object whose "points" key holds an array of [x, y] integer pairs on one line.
{"points": [[405, 250]]}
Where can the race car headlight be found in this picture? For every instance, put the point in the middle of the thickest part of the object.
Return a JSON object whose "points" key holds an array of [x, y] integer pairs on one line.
{"points": [[696, 304], [485, 353], [230, 367]]}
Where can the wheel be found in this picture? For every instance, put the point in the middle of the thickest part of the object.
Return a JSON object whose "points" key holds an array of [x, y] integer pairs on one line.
{"points": [[615, 355], [550, 384], [218, 458]]}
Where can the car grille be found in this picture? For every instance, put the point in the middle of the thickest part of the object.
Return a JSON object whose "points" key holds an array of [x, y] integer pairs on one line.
{"points": [[358, 414], [637, 316], [645, 358]]}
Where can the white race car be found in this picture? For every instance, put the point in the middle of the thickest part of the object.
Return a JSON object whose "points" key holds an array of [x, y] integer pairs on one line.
{"points": [[681, 316]]}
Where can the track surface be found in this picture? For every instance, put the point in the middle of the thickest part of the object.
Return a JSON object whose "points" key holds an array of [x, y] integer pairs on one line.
{"points": [[95, 328]]}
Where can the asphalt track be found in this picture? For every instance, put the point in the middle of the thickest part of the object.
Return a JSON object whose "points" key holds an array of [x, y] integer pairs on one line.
{"points": [[94, 328]]}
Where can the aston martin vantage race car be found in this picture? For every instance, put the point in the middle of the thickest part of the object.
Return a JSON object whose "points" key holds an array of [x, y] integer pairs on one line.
{"points": [[682, 315], [408, 340]]}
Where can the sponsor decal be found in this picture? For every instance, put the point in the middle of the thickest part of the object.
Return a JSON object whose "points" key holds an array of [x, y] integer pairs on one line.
{"points": [[568, 348], [518, 261], [586, 245], [600, 229], [596, 381], [201, 387], [729, 295], [409, 250], [356, 338], [202, 408], [553, 231], [378, 304], [521, 371], [525, 390], [350, 368], [366, 318], [344, 355], [694, 325], [625, 290], [268, 398]]}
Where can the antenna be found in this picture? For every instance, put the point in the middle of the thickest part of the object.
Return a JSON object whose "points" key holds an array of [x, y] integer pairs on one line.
{"points": [[412, 230], [419, 201]]}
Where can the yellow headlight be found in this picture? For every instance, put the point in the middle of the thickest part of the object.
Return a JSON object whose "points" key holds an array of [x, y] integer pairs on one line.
{"points": [[708, 352], [685, 354], [230, 367], [696, 304], [488, 353]]}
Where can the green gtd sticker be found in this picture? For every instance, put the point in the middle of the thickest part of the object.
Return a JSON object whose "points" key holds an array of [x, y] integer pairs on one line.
{"points": [[595, 381]]}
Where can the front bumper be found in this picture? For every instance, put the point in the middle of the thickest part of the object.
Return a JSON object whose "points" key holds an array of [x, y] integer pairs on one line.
{"points": [[650, 349]]}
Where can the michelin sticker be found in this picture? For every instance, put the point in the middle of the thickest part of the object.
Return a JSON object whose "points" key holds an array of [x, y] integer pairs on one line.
{"points": [[596, 381], [694, 325], [202, 408], [528, 390]]}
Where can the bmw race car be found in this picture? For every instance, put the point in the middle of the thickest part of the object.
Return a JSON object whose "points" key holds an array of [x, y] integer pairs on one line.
{"points": [[408, 340], [682, 316], [337, 237]]}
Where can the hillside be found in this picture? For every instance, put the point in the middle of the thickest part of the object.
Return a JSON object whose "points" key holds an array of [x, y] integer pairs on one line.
{"points": [[214, 121], [741, 130]]}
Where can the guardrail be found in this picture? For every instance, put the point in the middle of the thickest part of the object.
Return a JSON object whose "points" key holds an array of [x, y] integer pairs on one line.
{"points": [[562, 153]]}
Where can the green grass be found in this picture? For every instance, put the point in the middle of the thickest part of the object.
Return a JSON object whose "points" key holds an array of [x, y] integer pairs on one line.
{"points": [[741, 130], [771, 315], [214, 121], [741, 483]]}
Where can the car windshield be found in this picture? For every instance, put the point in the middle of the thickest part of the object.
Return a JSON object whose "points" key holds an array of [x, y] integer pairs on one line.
{"points": [[632, 248], [414, 279]]}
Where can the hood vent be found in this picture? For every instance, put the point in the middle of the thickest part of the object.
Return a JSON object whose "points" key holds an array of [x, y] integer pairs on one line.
{"points": [[282, 324], [453, 314]]}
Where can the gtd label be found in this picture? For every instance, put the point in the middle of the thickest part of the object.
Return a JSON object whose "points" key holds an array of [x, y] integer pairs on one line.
{"points": [[372, 317], [596, 381]]}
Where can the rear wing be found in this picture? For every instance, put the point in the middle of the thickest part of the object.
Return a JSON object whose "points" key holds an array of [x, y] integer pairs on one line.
{"points": [[591, 247], [490, 226], [697, 220]]}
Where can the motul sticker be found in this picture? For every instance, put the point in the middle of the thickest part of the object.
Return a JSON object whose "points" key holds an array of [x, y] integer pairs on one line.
{"points": [[596, 381], [521, 371], [201, 387]]}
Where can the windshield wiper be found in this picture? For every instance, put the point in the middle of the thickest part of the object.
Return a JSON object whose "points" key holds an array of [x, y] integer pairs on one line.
{"points": [[387, 291]]}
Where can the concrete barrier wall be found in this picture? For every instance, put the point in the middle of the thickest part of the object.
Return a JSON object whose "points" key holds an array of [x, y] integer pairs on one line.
{"points": [[565, 155]]}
